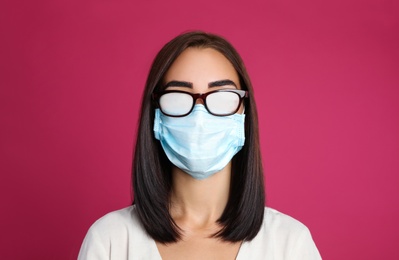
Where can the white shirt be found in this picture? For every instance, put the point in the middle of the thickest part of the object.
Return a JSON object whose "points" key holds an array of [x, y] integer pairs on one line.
{"points": [[119, 235]]}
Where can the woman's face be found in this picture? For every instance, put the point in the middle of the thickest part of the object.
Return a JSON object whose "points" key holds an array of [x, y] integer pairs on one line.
{"points": [[200, 70]]}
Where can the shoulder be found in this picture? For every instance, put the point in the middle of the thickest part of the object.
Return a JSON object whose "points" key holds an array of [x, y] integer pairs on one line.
{"points": [[119, 225], [290, 238], [114, 221], [276, 222], [283, 237], [113, 234]]}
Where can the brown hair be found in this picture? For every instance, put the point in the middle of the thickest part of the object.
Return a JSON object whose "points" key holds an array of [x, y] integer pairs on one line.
{"points": [[151, 172]]}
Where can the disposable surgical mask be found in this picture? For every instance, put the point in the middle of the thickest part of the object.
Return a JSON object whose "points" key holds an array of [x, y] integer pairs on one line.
{"points": [[200, 144]]}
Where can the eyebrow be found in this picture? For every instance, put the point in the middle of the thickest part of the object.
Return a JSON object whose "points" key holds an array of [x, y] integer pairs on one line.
{"points": [[221, 83], [175, 83], [218, 83]]}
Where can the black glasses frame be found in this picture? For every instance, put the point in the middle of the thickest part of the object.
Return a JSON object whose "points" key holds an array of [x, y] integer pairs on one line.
{"points": [[241, 93]]}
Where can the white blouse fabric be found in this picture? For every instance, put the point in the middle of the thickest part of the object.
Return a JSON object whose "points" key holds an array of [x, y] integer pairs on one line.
{"points": [[119, 235]]}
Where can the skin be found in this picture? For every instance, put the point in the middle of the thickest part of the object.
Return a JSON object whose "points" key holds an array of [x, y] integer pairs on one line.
{"points": [[197, 204]]}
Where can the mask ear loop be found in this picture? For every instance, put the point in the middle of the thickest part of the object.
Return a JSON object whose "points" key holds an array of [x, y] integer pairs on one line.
{"points": [[243, 111]]}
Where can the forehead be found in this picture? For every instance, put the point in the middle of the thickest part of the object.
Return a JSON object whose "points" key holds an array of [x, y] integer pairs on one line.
{"points": [[201, 64]]}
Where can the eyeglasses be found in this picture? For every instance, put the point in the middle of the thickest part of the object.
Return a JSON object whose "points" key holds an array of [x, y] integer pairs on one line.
{"points": [[178, 103]]}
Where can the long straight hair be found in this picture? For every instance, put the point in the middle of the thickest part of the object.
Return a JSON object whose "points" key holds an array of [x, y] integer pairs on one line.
{"points": [[151, 171]]}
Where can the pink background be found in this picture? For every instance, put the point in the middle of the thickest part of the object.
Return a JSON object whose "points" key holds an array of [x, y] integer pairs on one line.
{"points": [[326, 81]]}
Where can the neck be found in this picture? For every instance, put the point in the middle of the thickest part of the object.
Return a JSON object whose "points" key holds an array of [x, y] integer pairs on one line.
{"points": [[199, 203]]}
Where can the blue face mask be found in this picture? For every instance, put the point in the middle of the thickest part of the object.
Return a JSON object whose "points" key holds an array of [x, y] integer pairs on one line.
{"points": [[200, 144]]}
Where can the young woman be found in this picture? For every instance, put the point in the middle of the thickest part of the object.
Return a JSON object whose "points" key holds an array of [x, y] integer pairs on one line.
{"points": [[197, 170]]}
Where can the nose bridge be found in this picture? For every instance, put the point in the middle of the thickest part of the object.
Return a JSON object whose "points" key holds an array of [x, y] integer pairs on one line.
{"points": [[199, 99]]}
